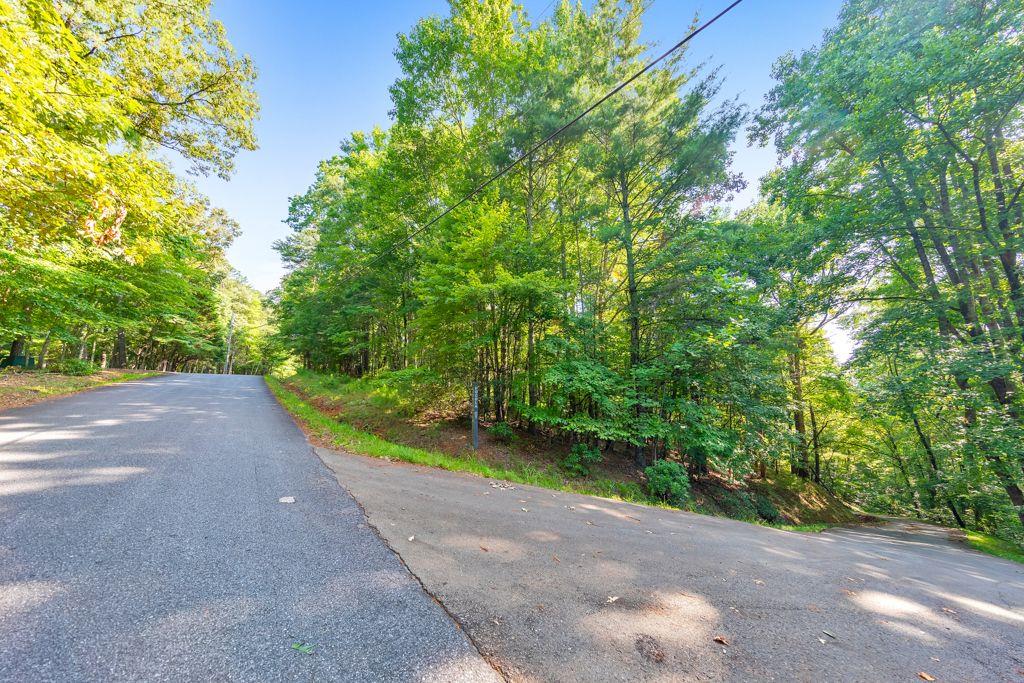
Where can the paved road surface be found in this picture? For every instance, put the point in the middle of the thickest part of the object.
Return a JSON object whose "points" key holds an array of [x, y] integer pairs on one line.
{"points": [[577, 588], [141, 538]]}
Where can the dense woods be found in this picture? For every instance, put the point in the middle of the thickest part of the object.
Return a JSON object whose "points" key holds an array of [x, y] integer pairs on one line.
{"points": [[603, 294], [106, 256]]}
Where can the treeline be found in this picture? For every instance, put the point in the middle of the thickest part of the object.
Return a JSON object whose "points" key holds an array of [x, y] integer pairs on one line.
{"points": [[599, 293], [106, 256]]}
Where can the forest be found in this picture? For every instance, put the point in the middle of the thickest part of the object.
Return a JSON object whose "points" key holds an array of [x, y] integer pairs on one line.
{"points": [[604, 294], [108, 254]]}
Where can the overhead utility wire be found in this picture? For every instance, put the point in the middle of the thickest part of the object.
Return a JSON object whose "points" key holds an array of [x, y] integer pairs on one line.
{"points": [[566, 126]]}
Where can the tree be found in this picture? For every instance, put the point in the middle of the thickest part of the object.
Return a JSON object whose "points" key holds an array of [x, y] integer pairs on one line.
{"points": [[112, 257], [900, 132]]}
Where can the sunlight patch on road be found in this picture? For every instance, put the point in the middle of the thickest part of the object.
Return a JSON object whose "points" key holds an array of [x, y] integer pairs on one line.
{"points": [[14, 482], [24, 596]]}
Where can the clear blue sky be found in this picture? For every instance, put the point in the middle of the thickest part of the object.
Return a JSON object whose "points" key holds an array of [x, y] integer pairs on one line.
{"points": [[325, 67]]}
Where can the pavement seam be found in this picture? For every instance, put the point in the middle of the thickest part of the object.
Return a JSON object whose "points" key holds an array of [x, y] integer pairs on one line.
{"points": [[458, 622], [455, 620]]}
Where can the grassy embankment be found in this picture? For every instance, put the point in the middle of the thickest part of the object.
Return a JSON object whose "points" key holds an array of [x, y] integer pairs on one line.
{"points": [[25, 387], [377, 417], [993, 545]]}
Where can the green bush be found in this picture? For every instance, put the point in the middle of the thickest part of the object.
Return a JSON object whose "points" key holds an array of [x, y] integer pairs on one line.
{"points": [[766, 509], [668, 481], [580, 460], [737, 504], [502, 432], [73, 366]]}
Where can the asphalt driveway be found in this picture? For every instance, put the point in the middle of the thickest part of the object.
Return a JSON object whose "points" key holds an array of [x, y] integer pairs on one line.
{"points": [[562, 587]]}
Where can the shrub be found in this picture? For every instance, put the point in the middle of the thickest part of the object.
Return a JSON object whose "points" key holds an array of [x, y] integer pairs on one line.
{"points": [[766, 509], [502, 432], [668, 481], [73, 366], [580, 459], [736, 504]]}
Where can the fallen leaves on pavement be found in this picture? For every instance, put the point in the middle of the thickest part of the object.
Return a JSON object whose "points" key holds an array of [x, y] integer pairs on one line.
{"points": [[925, 677], [721, 640]]}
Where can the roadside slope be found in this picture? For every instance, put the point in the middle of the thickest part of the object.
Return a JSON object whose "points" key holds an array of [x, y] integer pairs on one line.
{"points": [[18, 389], [566, 587]]}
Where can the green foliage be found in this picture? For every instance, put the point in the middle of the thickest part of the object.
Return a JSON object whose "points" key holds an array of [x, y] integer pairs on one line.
{"points": [[344, 436], [581, 460], [994, 545], [738, 504], [75, 367], [668, 481], [503, 432], [104, 251], [523, 289], [766, 509], [601, 293], [902, 135]]}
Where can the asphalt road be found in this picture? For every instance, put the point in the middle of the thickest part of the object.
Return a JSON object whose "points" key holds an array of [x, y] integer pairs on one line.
{"points": [[563, 587], [142, 539]]}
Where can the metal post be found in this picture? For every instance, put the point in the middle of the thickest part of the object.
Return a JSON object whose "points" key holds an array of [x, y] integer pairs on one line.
{"points": [[476, 416]]}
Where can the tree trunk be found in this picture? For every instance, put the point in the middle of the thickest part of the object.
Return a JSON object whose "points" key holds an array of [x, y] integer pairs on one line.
{"points": [[816, 443], [800, 465], [119, 358], [632, 302], [43, 350], [17, 348]]}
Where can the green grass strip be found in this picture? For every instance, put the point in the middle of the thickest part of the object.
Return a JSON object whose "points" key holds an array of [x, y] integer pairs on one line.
{"points": [[346, 437], [993, 545]]}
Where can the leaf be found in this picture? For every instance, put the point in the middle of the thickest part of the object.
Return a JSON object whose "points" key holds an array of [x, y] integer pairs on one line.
{"points": [[721, 640], [924, 676], [304, 648]]}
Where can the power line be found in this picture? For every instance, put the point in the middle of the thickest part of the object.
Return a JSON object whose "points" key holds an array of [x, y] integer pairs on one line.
{"points": [[564, 127]]}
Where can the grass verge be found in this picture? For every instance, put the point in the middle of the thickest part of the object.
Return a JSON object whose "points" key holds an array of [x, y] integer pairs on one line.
{"points": [[324, 429], [806, 528], [993, 545], [29, 387]]}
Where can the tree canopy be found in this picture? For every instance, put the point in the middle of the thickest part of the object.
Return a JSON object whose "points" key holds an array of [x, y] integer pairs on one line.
{"points": [[107, 254], [602, 293]]}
